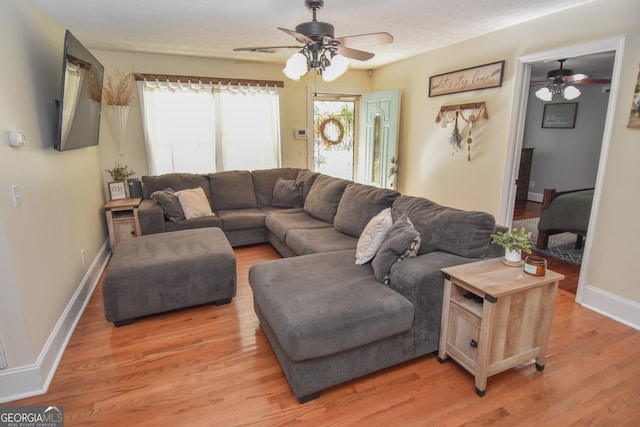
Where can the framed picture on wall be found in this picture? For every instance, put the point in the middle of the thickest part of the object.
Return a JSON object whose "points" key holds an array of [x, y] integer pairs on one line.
{"points": [[117, 190], [560, 116]]}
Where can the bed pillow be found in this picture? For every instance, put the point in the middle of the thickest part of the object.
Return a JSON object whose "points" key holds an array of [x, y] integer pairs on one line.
{"points": [[287, 193], [194, 203], [402, 241], [170, 204], [372, 236]]}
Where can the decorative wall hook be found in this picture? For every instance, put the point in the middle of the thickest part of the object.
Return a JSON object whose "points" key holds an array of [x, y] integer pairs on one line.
{"points": [[478, 111]]}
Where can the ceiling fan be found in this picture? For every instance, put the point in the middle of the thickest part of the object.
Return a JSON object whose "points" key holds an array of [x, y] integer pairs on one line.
{"points": [[561, 81], [321, 50]]}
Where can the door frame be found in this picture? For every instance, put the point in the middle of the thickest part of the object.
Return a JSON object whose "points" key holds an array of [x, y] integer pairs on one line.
{"points": [[516, 132]]}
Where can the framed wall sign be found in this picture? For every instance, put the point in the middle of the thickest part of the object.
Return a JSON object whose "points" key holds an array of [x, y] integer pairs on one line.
{"points": [[117, 190], [473, 78], [560, 116]]}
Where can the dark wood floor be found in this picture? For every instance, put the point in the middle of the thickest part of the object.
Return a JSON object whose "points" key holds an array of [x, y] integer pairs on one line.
{"points": [[528, 209], [212, 366]]}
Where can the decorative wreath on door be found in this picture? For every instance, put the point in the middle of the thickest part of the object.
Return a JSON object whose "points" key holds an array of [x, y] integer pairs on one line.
{"points": [[329, 128]]}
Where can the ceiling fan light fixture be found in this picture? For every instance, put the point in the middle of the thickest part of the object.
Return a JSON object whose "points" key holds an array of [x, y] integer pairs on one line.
{"points": [[544, 94], [337, 67], [570, 93], [296, 66]]}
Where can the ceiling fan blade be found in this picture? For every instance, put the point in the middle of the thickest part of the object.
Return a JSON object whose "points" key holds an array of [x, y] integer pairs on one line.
{"points": [[359, 55], [372, 38], [589, 81], [300, 37], [264, 49]]}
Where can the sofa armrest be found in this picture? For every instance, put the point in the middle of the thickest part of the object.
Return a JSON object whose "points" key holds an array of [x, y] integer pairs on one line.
{"points": [[151, 217], [421, 281]]}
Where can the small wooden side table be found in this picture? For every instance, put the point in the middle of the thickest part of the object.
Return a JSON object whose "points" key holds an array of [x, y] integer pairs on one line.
{"points": [[507, 324], [122, 219]]}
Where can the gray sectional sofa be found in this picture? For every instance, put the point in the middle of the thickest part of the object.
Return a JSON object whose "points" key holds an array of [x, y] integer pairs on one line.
{"points": [[328, 319]]}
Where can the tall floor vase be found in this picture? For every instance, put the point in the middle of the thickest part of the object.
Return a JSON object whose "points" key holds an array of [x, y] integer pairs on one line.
{"points": [[117, 118]]}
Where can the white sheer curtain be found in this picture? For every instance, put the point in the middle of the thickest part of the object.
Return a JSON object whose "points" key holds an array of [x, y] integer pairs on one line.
{"points": [[203, 128]]}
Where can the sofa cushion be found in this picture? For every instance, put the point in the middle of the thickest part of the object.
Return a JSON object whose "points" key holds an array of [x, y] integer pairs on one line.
{"points": [[194, 203], [372, 236], [316, 240], [176, 181], [232, 190], [360, 203], [190, 224], [264, 181], [324, 197], [317, 311], [307, 178], [441, 228], [402, 241], [287, 193], [170, 204], [241, 219], [281, 223]]}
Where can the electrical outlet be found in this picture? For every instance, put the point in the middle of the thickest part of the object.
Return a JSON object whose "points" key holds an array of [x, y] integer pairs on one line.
{"points": [[83, 257], [532, 184], [303, 154]]}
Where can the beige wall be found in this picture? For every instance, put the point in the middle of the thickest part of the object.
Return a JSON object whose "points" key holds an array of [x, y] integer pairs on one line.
{"points": [[293, 99], [41, 240], [428, 169]]}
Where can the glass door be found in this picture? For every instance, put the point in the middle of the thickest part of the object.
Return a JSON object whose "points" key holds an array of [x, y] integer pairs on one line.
{"points": [[334, 120]]}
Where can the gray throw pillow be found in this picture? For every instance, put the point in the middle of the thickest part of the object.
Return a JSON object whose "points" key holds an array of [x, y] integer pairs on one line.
{"points": [[170, 204], [287, 193], [402, 241]]}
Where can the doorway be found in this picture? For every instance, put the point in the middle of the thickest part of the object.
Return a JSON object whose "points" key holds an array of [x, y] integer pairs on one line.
{"points": [[517, 131]]}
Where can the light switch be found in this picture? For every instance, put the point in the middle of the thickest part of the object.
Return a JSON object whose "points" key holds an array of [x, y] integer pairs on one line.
{"points": [[15, 192]]}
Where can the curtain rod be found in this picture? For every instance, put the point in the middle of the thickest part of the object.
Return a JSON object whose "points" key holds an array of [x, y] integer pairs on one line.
{"points": [[212, 80]]}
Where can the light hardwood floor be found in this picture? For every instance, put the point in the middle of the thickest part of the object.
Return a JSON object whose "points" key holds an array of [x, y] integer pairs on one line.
{"points": [[212, 366]]}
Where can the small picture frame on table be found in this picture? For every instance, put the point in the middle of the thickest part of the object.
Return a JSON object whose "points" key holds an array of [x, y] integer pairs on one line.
{"points": [[117, 190]]}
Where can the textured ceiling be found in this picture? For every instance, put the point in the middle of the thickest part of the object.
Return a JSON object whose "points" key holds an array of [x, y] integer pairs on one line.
{"points": [[212, 28]]}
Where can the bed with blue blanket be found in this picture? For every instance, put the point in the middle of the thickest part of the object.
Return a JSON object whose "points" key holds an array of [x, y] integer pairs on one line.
{"points": [[564, 212]]}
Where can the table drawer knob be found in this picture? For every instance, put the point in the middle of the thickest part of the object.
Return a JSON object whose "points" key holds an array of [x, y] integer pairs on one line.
{"points": [[474, 343]]}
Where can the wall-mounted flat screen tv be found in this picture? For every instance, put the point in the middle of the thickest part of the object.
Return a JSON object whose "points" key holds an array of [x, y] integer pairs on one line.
{"points": [[80, 97]]}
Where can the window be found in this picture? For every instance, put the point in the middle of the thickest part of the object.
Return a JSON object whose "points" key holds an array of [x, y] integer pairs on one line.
{"points": [[204, 128]]}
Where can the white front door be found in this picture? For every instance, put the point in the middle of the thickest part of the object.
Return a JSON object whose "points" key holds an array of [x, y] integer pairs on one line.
{"points": [[378, 149]]}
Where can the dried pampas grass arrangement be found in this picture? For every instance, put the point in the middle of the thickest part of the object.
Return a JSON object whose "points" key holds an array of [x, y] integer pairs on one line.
{"points": [[94, 84], [119, 90]]}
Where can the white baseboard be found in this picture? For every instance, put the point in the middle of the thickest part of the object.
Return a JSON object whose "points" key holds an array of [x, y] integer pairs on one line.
{"points": [[535, 197], [613, 306], [27, 381]]}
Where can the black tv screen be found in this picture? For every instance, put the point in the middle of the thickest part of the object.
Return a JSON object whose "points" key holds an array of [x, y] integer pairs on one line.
{"points": [[80, 97]]}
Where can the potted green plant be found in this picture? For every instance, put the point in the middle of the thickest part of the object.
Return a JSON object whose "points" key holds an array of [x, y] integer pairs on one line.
{"points": [[514, 242], [120, 173]]}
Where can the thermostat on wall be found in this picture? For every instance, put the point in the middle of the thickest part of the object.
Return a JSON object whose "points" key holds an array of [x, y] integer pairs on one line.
{"points": [[300, 133]]}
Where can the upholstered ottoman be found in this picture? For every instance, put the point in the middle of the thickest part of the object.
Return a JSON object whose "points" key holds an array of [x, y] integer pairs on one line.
{"points": [[167, 271]]}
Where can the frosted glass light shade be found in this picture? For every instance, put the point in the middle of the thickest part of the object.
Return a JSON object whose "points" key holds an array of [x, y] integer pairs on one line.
{"points": [[544, 94], [296, 66], [339, 65], [571, 92]]}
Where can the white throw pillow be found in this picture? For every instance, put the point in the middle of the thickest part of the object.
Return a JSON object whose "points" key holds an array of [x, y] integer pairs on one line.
{"points": [[372, 236], [194, 203]]}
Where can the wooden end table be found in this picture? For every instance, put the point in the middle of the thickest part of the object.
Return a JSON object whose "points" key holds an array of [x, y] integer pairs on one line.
{"points": [[122, 219], [507, 324]]}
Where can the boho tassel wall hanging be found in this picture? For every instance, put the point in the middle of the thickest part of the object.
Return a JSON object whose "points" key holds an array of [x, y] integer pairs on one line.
{"points": [[477, 111]]}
